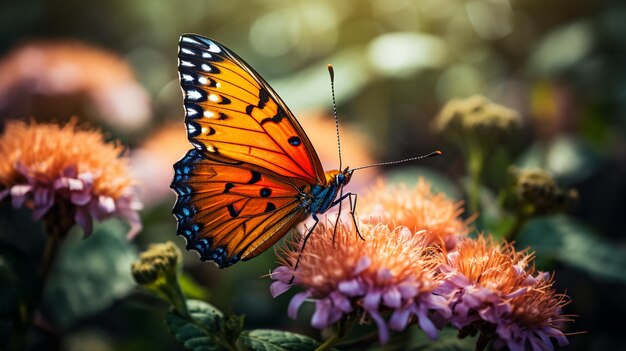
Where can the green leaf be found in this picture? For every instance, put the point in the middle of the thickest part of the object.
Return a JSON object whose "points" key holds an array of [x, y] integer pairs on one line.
{"points": [[565, 239], [90, 273], [276, 340], [202, 332]]}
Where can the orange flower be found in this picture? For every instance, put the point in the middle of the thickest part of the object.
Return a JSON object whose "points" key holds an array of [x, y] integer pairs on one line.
{"points": [[57, 79], [418, 209], [494, 290], [46, 164], [388, 270]]}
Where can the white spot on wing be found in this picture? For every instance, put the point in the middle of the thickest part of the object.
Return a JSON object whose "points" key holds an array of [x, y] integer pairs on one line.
{"points": [[193, 94], [209, 114], [197, 146], [202, 80], [188, 40], [214, 98], [191, 111], [206, 55], [206, 67], [187, 77], [210, 148], [187, 51], [191, 129], [186, 63]]}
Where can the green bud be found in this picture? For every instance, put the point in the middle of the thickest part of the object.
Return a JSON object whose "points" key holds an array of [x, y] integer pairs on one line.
{"points": [[537, 193]]}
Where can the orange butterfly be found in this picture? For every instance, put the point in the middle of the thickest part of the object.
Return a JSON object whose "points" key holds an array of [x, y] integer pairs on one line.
{"points": [[253, 174]]}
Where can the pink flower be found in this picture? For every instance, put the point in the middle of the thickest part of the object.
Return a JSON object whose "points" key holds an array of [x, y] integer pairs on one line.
{"points": [[46, 165], [418, 209], [390, 273], [494, 290]]}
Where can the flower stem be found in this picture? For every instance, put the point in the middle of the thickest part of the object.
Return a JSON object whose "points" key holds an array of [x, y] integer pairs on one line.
{"points": [[475, 165], [340, 329]]}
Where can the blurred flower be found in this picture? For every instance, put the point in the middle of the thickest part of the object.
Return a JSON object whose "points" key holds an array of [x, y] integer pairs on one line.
{"points": [[61, 171], [478, 127], [320, 129], [152, 162], [477, 119], [391, 270], [157, 269], [433, 215], [494, 290], [537, 193], [57, 79]]}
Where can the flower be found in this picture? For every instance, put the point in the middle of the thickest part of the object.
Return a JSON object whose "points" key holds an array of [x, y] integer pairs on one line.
{"points": [[537, 193], [495, 291], [476, 119], [389, 270], [418, 209], [59, 79], [62, 171]]}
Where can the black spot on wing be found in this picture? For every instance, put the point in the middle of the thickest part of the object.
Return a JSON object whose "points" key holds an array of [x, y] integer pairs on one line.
{"points": [[232, 211], [270, 207], [265, 192], [277, 118], [256, 176], [222, 116], [227, 187], [294, 141], [224, 101]]}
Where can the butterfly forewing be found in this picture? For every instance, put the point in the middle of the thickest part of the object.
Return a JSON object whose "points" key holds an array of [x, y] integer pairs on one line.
{"points": [[232, 112], [227, 211]]}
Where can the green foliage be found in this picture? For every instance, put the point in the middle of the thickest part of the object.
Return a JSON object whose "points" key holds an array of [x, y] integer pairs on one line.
{"points": [[89, 274], [569, 241], [275, 340], [210, 330], [202, 332]]}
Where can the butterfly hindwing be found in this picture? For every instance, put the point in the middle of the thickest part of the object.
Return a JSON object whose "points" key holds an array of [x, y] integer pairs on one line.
{"points": [[233, 113], [231, 211]]}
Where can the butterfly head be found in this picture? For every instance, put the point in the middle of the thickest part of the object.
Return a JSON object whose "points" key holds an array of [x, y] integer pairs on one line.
{"points": [[338, 177]]}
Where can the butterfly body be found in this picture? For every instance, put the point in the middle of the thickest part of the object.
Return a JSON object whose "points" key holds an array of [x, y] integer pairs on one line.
{"points": [[253, 174]]}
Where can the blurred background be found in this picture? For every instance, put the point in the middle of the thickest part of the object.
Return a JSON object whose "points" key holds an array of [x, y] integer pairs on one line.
{"points": [[561, 64]]}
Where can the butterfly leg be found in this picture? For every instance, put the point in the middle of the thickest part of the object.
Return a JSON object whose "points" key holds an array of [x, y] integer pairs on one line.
{"points": [[352, 212], [306, 238]]}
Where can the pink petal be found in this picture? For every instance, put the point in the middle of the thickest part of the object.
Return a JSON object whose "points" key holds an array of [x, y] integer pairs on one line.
{"points": [[426, 324], [372, 300], [278, 288], [392, 298], [83, 219], [362, 265], [18, 194], [320, 318], [351, 287], [399, 319], [295, 303]]}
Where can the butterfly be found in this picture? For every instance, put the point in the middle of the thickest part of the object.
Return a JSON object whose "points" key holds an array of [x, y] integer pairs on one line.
{"points": [[253, 174]]}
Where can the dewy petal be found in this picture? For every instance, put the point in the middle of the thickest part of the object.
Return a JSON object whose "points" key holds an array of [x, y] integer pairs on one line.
{"points": [[296, 302], [320, 318]]}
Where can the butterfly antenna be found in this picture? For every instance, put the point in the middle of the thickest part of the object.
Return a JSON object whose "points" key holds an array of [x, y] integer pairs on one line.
{"points": [[331, 71], [432, 154]]}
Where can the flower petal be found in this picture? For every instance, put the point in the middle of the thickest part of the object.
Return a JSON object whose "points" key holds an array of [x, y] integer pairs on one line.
{"points": [[295, 303]]}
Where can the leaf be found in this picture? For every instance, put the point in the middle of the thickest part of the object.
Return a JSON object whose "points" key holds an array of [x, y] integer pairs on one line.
{"points": [[573, 243], [276, 340], [89, 273], [202, 332]]}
